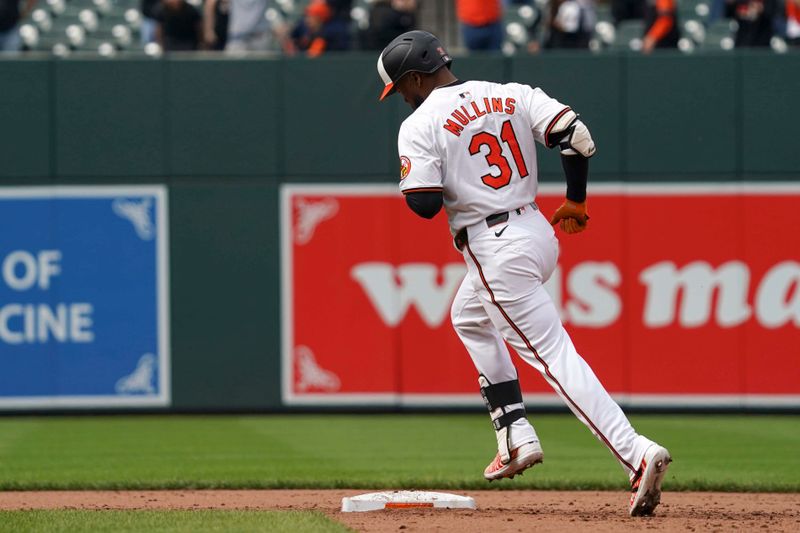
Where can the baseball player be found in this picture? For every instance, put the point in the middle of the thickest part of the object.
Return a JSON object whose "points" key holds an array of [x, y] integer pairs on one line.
{"points": [[469, 145]]}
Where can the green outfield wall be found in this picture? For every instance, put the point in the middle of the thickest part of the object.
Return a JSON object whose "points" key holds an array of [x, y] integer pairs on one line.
{"points": [[224, 134]]}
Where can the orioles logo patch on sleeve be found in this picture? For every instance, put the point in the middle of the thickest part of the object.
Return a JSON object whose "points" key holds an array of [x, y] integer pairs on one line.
{"points": [[405, 167]]}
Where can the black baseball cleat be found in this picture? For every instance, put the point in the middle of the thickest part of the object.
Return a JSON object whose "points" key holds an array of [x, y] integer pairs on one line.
{"points": [[646, 485]]}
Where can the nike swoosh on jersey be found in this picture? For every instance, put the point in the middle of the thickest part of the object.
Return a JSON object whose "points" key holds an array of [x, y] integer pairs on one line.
{"points": [[498, 233]]}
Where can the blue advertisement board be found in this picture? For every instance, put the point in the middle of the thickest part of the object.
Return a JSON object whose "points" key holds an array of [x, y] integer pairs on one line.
{"points": [[84, 306]]}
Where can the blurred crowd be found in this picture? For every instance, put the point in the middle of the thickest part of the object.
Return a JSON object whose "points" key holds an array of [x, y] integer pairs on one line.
{"points": [[755, 22], [573, 23], [249, 25], [336, 25]]}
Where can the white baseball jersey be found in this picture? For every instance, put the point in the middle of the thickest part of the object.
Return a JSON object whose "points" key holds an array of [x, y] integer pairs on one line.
{"points": [[474, 141]]}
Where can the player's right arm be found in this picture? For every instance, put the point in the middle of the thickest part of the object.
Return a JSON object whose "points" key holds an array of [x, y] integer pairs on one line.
{"points": [[420, 169], [557, 125]]}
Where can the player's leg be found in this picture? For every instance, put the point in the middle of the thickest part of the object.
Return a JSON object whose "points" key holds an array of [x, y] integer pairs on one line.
{"points": [[481, 339], [508, 276], [517, 442]]}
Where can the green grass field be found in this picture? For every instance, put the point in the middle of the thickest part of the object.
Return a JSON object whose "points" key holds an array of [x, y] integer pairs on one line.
{"points": [[172, 521], [729, 453]]}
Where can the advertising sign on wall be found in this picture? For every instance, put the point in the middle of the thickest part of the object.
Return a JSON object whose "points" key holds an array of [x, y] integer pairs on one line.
{"points": [[684, 295], [84, 310]]}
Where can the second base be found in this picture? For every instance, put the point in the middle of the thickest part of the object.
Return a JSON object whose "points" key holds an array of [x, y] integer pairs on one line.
{"points": [[405, 499]]}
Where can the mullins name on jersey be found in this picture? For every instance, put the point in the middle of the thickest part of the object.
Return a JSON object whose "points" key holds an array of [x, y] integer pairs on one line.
{"points": [[465, 114]]}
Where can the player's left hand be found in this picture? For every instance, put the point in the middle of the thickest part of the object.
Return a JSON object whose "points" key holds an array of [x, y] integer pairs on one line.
{"points": [[572, 216]]}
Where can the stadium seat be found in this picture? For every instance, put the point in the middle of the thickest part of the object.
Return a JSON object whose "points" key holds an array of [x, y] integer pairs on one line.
{"points": [[718, 34], [99, 19], [628, 30]]}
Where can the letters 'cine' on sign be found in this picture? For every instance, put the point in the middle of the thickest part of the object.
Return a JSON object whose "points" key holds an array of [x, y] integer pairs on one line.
{"points": [[84, 297]]}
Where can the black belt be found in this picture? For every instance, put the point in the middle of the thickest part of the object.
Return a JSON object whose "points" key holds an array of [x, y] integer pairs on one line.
{"points": [[461, 239]]}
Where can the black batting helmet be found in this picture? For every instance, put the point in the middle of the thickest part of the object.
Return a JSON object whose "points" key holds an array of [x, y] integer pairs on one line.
{"points": [[413, 51]]}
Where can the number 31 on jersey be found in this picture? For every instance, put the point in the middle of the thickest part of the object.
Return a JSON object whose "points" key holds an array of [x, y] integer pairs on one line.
{"points": [[495, 157]]}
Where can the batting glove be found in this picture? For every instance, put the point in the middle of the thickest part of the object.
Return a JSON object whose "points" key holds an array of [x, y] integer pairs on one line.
{"points": [[572, 216]]}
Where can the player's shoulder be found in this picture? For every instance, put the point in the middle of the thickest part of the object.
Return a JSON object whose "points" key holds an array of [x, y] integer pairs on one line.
{"points": [[415, 122], [418, 129], [521, 88], [422, 117]]}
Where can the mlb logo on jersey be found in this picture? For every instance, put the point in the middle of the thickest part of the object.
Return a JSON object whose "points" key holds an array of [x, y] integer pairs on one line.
{"points": [[405, 167]]}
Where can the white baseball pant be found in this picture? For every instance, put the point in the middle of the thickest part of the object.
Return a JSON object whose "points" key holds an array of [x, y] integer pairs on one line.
{"points": [[503, 297]]}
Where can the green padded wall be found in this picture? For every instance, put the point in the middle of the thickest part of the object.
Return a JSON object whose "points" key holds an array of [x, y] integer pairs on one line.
{"points": [[25, 118], [110, 119], [224, 290], [333, 123], [770, 113], [489, 67], [680, 114], [224, 117], [223, 135]]}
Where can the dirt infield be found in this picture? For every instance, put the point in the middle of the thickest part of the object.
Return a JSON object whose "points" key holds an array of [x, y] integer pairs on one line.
{"points": [[503, 511]]}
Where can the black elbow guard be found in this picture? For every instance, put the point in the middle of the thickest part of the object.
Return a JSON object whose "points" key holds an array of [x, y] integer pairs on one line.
{"points": [[425, 203]]}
